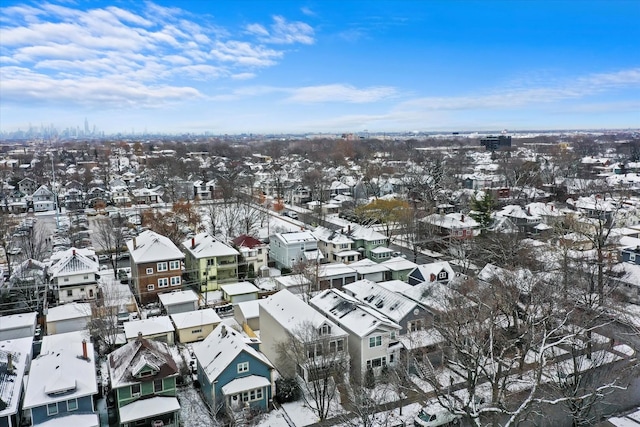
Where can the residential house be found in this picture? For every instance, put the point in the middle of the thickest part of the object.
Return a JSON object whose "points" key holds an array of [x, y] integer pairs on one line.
{"points": [[27, 186], [73, 277], [335, 246], [253, 253], [15, 359], [196, 325], [373, 342], [247, 314], [43, 199], [158, 328], [73, 198], [399, 268], [143, 377], [71, 317], [452, 225], [232, 372], [210, 262], [335, 275], [16, 326], [522, 218], [439, 271], [145, 196], [370, 243], [156, 265], [291, 249], [179, 301], [283, 317], [370, 270], [631, 255], [62, 384]]}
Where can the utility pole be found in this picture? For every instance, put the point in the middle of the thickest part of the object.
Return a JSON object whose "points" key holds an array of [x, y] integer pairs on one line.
{"points": [[55, 195]]}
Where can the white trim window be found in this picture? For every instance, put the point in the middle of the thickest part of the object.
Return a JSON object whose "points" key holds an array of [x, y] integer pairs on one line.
{"points": [[162, 266], [250, 396], [174, 265], [52, 409], [72, 405], [243, 367], [375, 341], [163, 283], [175, 281], [150, 287], [149, 270]]}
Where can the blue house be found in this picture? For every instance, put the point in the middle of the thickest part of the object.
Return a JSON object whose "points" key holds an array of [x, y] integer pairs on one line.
{"points": [[631, 255], [62, 383], [232, 373]]}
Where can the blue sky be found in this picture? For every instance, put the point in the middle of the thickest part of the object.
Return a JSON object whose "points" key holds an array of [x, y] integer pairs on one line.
{"points": [[320, 66]]}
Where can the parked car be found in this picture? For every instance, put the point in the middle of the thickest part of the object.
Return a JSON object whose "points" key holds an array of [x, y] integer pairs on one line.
{"points": [[291, 214], [429, 418]]}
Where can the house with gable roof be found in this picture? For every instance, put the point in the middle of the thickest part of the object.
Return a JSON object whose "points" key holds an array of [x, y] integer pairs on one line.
{"points": [[439, 271], [143, 376], [62, 383], [232, 372], [289, 249], [43, 199], [370, 243], [210, 262], [156, 265], [254, 253], [335, 246], [73, 277], [452, 225], [373, 342], [284, 316]]}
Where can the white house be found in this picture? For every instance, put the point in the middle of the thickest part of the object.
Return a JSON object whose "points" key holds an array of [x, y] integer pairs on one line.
{"points": [[239, 292], [289, 249], [74, 276], [284, 316], [43, 199], [179, 301], [373, 341], [68, 318], [16, 326], [335, 246], [157, 328]]}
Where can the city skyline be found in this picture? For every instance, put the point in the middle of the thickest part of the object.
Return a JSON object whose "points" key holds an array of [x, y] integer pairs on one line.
{"points": [[313, 67]]}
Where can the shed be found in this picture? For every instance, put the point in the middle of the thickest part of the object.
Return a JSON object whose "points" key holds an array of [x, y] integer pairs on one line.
{"points": [[179, 301], [239, 292], [68, 318], [248, 313], [157, 328], [16, 326], [195, 325]]}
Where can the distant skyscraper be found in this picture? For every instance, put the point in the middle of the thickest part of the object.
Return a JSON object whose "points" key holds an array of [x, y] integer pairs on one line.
{"points": [[86, 126]]}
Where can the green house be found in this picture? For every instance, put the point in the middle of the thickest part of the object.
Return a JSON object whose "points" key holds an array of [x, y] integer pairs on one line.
{"points": [[143, 377], [210, 262]]}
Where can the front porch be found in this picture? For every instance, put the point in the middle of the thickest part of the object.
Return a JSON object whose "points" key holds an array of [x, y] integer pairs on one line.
{"points": [[153, 412]]}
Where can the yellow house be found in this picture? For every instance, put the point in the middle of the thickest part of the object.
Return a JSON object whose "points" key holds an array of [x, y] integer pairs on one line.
{"points": [[210, 262]]}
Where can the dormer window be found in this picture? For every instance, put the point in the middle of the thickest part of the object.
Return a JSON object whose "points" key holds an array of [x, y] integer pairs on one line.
{"points": [[145, 373], [325, 330], [442, 275]]}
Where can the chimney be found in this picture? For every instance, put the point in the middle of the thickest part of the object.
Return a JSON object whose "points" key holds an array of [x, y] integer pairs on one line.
{"points": [[84, 350], [135, 243], [74, 251], [139, 336], [462, 218], [193, 242], [9, 363], [433, 277], [349, 229]]}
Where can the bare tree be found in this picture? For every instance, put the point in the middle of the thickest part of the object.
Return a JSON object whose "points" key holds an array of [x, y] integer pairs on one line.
{"points": [[8, 223], [34, 242], [319, 361], [110, 236]]}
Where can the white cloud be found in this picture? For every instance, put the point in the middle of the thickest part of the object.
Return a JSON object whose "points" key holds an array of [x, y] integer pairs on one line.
{"points": [[340, 93], [283, 32]]}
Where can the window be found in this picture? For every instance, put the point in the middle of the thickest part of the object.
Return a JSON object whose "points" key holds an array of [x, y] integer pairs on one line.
{"points": [[66, 279], [174, 265], [135, 390], [149, 270], [243, 367], [376, 363], [442, 275], [150, 287], [415, 325], [163, 283], [249, 396], [336, 346], [157, 386], [375, 341], [326, 329], [162, 266], [52, 409], [69, 293], [72, 405], [86, 277], [632, 257], [211, 261], [175, 281]]}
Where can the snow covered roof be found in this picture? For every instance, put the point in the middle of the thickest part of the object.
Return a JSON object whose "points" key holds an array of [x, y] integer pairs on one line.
{"points": [[436, 296], [146, 408], [203, 245], [366, 266], [296, 237], [149, 246], [399, 264], [292, 313], [73, 262], [148, 327], [61, 374], [122, 361], [177, 297], [220, 348], [74, 310], [75, 420], [190, 319], [67, 339], [15, 321], [392, 304], [395, 285], [240, 288], [330, 236], [249, 309], [451, 221], [359, 232], [421, 338], [353, 315], [433, 268], [335, 269], [245, 383], [11, 381]]}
